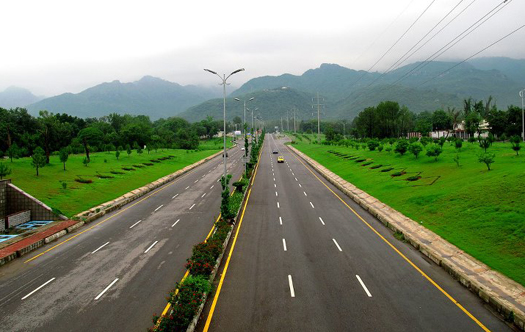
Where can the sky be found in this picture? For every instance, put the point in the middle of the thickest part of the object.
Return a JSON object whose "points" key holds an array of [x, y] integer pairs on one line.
{"points": [[52, 47]]}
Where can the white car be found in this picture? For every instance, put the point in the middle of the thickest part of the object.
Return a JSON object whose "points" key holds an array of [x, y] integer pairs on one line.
{"points": [[242, 149]]}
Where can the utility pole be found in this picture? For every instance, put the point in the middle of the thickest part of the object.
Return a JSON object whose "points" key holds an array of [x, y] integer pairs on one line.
{"points": [[281, 129], [522, 95], [287, 121], [294, 128], [318, 117]]}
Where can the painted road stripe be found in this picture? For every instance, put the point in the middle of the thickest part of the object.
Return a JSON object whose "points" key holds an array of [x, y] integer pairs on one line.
{"points": [[300, 185], [212, 187], [36, 290], [363, 285], [187, 187], [295, 179], [337, 244], [102, 246], [135, 224], [278, 206], [203, 195], [154, 243], [158, 208], [280, 220], [290, 282], [175, 196], [276, 194], [274, 185], [304, 192], [196, 181], [284, 245], [106, 289], [175, 223], [191, 207], [321, 219], [313, 207]]}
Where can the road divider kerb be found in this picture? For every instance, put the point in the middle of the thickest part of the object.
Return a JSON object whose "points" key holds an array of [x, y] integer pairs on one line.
{"points": [[506, 296]]}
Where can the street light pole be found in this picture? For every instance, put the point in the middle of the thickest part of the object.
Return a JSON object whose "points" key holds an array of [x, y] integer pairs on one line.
{"points": [[522, 95], [244, 131], [224, 78]]}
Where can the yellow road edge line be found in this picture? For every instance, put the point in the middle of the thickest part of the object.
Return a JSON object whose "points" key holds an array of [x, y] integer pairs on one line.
{"points": [[116, 214], [168, 306], [219, 287], [396, 250]]}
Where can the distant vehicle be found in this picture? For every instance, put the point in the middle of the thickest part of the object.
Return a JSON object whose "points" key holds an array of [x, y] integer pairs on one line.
{"points": [[280, 159], [275, 152], [242, 149]]}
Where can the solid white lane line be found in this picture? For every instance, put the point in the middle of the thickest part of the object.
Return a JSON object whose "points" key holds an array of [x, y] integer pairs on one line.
{"points": [[300, 185], [284, 245], [106, 289], [280, 220], [337, 244], [278, 206], [187, 187], [304, 192], [203, 195], [322, 222], [313, 207], [175, 196], [175, 223], [363, 285], [191, 207], [135, 224], [276, 194], [102, 246], [212, 187], [36, 290], [158, 208], [154, 243], [290, 282]]}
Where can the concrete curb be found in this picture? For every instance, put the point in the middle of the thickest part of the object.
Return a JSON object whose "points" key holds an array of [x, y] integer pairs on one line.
{"points": [[503, 294], [92, 214]]}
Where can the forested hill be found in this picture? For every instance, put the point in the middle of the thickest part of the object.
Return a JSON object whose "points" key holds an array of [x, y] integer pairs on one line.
{"points": [[151, 96], [17, 97]]}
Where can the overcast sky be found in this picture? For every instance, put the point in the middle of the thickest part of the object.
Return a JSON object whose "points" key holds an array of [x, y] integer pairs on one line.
{"points": [[51, 47]]}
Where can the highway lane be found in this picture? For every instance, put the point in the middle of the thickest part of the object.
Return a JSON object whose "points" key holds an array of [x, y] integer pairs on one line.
{"points": [[117, 274], [304, 261]]}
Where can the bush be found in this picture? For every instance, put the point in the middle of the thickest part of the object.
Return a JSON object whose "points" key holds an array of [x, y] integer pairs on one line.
{"points": [[128, 168], [4, 170], [413, 178], [240, 185], [376, 166], [472, 139], [484, 143], [515, 141], [81, 180], [397, 174], [372, 144], [380, 148], [487, 159], [434, 151], [458, 143], [415, 148], [425, 140], [388, 169], [401, 147], [116, 172], [367, 163]]}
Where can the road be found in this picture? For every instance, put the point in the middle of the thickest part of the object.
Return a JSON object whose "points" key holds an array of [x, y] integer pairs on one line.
{"points": [[115, 273], [304, 261]]}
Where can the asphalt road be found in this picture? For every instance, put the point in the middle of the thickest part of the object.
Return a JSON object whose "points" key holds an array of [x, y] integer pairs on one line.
{"points": [[116, 275], [303, 261]]}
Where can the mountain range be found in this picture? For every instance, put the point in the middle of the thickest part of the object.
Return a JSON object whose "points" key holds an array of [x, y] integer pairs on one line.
{"points": [[343, 92]]}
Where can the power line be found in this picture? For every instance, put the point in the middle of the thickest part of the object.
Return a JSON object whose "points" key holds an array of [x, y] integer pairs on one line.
{"points": [[454, 41], [420, 40], [470, 57], [397, 41]]}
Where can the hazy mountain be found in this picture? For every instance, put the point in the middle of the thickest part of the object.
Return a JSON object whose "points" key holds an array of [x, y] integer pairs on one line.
{"points": [[17, 97], [149, 96], [512, 68], [346, 92]]}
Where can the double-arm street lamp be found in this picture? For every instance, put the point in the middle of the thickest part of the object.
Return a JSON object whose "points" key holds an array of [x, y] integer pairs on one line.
{"points": [[253, 110], [244, 113], [224, 78]]}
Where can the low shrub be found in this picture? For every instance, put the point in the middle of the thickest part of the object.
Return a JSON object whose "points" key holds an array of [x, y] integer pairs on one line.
{"points": [[139, 166], [388, 169], [367, 163], [376, 166], [128, 168], [359, 160], [155, 160], [397, 174], [116, 172], [148, 164], [100, 176], [81, 180], [413, 178]]}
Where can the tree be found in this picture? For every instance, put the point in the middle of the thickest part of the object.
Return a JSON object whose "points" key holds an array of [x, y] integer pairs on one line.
{"points": [[64, 155], [13, 151], [441, 120], [85, 162], [434, 151], [38, 159], [117, 154], [487, 159], [139, 150], [89, 136], [458, 143], [472, 122], [515, 141], [415, 148], [4, 170], [401, 147], [48, 124], [484, 143], [372, 144], [128, 149]]}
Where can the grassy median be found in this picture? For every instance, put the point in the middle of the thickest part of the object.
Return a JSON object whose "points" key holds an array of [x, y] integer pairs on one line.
{"points": [[480, 211], [109, 177]]}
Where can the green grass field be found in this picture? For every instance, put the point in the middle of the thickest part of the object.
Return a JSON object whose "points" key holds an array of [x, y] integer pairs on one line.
{"points": [[78, 197], [480, 211]]}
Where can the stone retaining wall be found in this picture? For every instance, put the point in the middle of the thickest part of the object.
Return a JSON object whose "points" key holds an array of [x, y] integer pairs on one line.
{"points": [[19, 200], [503, 294], [18, 218]]}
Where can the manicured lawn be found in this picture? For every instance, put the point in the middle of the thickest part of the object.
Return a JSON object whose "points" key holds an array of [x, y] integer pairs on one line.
{"points": [[78, 197], [480, 211]]}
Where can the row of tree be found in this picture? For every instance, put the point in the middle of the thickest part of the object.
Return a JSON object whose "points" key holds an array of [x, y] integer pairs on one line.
{"points": [[21, 133], [388, 119]]}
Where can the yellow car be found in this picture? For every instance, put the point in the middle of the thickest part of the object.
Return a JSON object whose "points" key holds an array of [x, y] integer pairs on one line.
{"points": [[280, 159]]}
